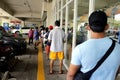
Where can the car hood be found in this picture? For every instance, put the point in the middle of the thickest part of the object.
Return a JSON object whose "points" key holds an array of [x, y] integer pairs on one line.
{"points": [[19, 38], [12, 37]]}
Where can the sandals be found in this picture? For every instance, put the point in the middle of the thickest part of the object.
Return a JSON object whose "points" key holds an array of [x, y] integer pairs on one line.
{"points": [[61, 72], [50, 72]]}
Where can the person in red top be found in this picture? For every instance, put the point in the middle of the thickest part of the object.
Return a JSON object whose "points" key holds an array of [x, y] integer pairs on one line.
{"points": [[30, 35]]}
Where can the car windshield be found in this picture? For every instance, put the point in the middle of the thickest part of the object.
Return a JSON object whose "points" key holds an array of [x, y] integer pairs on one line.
{"points": [[15, 27]]}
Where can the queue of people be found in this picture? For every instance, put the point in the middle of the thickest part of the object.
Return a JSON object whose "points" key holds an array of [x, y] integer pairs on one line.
{"points": [[85, 55], [52, 38]]}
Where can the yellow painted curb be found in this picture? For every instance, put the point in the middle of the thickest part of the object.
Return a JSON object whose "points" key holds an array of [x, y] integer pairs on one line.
{"points": [[40, 73]]}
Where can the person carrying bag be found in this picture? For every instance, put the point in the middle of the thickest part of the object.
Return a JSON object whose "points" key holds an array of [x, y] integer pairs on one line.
{"points": [[86, 76], [88, 56]]}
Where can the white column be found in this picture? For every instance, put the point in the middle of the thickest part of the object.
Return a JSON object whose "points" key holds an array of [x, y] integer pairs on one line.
{"points": [[75, 23], [55, 12], [66, 25], [47, 20], [58, 8], [53, 16], [56, 5], [91, 9], [61, 15], [91, 6]]}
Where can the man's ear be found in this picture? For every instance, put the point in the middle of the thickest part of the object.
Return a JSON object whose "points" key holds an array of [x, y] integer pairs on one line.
{"points": [[106, 27], [88, 27]]}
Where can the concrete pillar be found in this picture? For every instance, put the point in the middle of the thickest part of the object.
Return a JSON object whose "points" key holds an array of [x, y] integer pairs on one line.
{"points": [[58, 9], [75, 23], [49, 11], [91, 9], [47, 20], [55, 13], [61, 15], [66, 32], [91, 6]]}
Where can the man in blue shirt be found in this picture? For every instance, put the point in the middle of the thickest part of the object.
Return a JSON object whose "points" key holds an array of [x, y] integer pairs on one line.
{"points": [[36, 37], [86, 55]]}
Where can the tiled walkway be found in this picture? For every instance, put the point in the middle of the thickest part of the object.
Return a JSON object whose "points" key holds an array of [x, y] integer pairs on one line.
{"points": [[27, 67], [55, 75]]}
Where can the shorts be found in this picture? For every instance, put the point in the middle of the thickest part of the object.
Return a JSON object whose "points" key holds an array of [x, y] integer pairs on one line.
{"points": [[47, 48], [55, 55]]}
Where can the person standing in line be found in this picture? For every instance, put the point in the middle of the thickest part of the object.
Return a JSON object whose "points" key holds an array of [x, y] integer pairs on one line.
{"points": [[47, 47], [57, 39], [30, 36], [42, 32], [44, 36], [86, 55], [36, 37]]}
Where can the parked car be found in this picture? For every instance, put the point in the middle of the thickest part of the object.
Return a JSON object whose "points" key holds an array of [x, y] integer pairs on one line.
{"points": [[7, 57], [25, 30], [5, 50], [19, 44], [2, 29], [14, 29]]}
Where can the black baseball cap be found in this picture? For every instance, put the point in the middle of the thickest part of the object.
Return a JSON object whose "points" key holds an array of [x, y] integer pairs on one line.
{"points": [[98, 21]]}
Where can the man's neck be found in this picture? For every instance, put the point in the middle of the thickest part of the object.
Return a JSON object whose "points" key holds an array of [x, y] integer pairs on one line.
{"points": [[95, 35]]}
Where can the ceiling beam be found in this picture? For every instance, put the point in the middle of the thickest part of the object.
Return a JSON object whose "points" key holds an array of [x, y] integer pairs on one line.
{"points": [[6, 8], [33, 19], [28, 14]]}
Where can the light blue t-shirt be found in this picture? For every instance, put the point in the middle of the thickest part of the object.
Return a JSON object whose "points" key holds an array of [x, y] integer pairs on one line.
{"points": [[91, 51]]}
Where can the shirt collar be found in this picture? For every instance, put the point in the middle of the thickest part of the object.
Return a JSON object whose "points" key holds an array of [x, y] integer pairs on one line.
{"points": [[57, 27]]}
